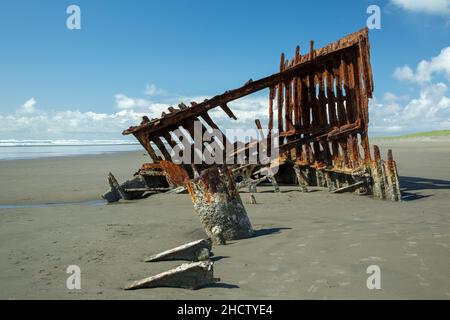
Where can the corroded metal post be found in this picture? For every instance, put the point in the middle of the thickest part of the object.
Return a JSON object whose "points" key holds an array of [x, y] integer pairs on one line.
{"points": [[219, 206]]}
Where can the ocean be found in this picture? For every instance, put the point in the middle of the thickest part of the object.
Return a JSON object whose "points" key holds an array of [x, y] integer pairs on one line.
{"points": [[32, 149]]}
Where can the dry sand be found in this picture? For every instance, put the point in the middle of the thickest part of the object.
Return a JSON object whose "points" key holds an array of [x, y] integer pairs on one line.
{"points": [[309, 246]]}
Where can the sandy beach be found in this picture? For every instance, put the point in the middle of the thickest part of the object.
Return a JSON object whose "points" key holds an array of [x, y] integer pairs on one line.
{"points": [[308, 246]]}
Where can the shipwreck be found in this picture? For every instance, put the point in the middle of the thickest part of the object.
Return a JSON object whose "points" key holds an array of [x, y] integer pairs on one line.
{"points": [[318, 106]]}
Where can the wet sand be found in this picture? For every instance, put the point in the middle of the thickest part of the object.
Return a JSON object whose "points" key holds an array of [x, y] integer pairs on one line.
{"points": [[308, 246]]}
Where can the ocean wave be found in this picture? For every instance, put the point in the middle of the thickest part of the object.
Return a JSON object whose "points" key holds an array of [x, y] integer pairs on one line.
{"points": [[69, 142]]}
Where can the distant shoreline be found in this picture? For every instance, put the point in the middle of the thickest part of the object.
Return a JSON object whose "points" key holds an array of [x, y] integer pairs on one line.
{"points": [[426, 134], [33, 152], [36, 149]]}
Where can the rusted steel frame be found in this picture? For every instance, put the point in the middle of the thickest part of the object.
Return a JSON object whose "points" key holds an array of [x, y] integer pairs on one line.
{"points": [[366, 93], [145, 142], [319, 136], [392, 177], [360, 100], [332, 109], [385, 184], [296, 105], [188, 124], [287, 105], [162, 148], [187, 138], [280, 101], [259, 127], [339, 75], [224, 140], [339, 70], [296, 94], [339, 66], [331, 99], [352, 128], [350, 105], [228, 111], [323, 120], [293, 103], [304, 131], [166, 135], [272, 92], [176, 175], [349, 99], [355, 86], [321, 100], [303, 67], [312, 102], [298, 116], [305, 115]]}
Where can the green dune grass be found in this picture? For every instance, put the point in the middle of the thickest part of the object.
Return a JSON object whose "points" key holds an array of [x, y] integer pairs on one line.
{"points": [[436, 133]]}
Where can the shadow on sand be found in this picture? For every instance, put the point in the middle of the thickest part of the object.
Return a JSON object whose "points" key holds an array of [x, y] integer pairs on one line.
{"points": [[267, 231], [410, 184], [221, 285], [218, 258]]}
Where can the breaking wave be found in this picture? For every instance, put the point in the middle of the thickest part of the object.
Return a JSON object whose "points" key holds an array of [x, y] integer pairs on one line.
{"points": [[70, 142]]}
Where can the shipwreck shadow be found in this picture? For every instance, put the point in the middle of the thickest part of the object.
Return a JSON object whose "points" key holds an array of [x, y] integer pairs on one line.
{"points": [[221, 285], [217, 258], [416, 183], [294, 189], [267, 231], [408, 186]]}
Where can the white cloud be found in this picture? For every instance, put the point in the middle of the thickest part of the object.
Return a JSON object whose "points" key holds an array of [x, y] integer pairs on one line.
{"points": [[404, 73], [438, 7], [392, 97], [30, 123], [153, 90], [67, 124], [125, 102], [429, 111], [28, 106], [426, 69]]}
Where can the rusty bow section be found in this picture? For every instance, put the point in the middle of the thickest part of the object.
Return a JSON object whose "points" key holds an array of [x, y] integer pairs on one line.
{"points": [[318, 104]]}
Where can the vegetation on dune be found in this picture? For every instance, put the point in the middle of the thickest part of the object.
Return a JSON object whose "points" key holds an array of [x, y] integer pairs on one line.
{"points": [[436, 133]]}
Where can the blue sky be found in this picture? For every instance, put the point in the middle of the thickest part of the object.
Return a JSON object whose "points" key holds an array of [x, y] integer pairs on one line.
{"points": [[135, 57]]}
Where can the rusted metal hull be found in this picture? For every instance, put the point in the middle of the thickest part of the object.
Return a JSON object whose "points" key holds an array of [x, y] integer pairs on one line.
{"points": [[320, 102]]}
